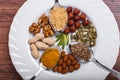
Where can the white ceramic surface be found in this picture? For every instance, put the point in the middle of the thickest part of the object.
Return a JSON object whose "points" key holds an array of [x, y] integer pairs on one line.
{"points": [[106, 50]]}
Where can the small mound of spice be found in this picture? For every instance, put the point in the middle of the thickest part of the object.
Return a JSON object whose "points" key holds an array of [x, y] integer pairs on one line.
{"points": [[50, 57], [81, 51]]}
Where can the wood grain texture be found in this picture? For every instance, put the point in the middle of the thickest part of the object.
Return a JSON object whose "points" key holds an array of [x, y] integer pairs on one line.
{"points": [[8, 9]]}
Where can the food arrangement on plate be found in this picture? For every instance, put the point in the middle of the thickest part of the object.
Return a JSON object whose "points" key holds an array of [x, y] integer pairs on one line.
{"points": [[61, 27]]}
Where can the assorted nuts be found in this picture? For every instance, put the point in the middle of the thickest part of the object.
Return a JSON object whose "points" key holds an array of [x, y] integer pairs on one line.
{"points": [[67, 63]]}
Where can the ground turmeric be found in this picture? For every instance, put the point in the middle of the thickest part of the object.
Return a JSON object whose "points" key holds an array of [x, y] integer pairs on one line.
{"points": [[50, 57]]}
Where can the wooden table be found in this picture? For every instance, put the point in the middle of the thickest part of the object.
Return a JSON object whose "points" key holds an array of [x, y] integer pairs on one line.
{"points": [[8, 9]]}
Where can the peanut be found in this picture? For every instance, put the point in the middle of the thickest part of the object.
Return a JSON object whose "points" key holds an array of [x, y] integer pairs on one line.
{"points": [[34, 50], [41, 45], [37, 37], [48, 41]]}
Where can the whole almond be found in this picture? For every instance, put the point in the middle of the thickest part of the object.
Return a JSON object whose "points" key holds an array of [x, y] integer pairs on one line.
{"points": [[74, 62], [68, 62], [65, 58], [55, 69], [59, 69], [71, 68], [77, 66], [60, 61], [71, 57], [62, 53], [64, 65], [65, 71]]}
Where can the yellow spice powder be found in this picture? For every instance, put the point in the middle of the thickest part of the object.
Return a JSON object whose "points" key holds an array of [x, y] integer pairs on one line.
{"points": [[50, 57]]}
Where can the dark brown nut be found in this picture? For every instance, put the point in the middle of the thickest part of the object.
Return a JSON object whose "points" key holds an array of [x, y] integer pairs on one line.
{"points": [[83, 16], [72, 28], [62, 53], [69, 9], [67, 30], [76, 11], [71, 57], [59, 69], [68, 62], [77, 25], [64, 65], [74, 62], [65, 58], [60, 61], [70, 15], [31, 29], [65, 71], [55, 69], [86, 22], [77, 66], [71, 68], [71, 22], [77, 18]]}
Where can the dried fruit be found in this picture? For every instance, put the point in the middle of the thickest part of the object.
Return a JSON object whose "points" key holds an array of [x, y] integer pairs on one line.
{"points": [[83, 16], [71, 22], [77, 18], [72, 28], [67, 30], [77, 25], [69, 9], [70, 15], [76, 11], [86, 22]]}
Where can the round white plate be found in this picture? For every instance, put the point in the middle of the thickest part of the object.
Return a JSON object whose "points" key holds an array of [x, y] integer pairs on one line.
{"points": [[106, 50]]}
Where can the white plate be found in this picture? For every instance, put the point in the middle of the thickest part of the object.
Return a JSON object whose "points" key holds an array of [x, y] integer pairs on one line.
{"points": [[106, 50]]}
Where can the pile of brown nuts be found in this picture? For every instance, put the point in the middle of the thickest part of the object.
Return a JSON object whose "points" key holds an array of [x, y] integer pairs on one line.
{"points": [[34, 28], [67, 63]]}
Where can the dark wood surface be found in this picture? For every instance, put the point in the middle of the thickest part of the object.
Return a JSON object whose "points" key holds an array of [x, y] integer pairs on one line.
{"points": [[8, 9]]}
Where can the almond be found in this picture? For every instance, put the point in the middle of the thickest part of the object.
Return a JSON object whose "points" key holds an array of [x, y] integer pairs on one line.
{"points": [[71, 57], [65, 71], [60, 62], [55, 69], [74, 62], [64, 65], [62, 53], [71, 68], [65, 58], [77, 66], [68, 62], [59, 69]]}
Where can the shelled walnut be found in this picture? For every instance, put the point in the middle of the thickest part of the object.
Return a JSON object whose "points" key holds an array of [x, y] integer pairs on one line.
{"points": [[34, 28], [48, 31]]}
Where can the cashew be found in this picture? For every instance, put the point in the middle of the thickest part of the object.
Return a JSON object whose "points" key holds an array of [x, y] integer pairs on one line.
{"points": [[48, 41], [37, 37], [41, 45], [34, 50]]}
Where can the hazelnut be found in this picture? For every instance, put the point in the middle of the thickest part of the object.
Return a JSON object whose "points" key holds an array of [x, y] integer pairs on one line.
{"points": [[70, 15], [86, 22], [83, 16], [67, 30], [69, 9], [71, 22], [77, 18], [72, 28], [77, 25], [76, 11]]}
